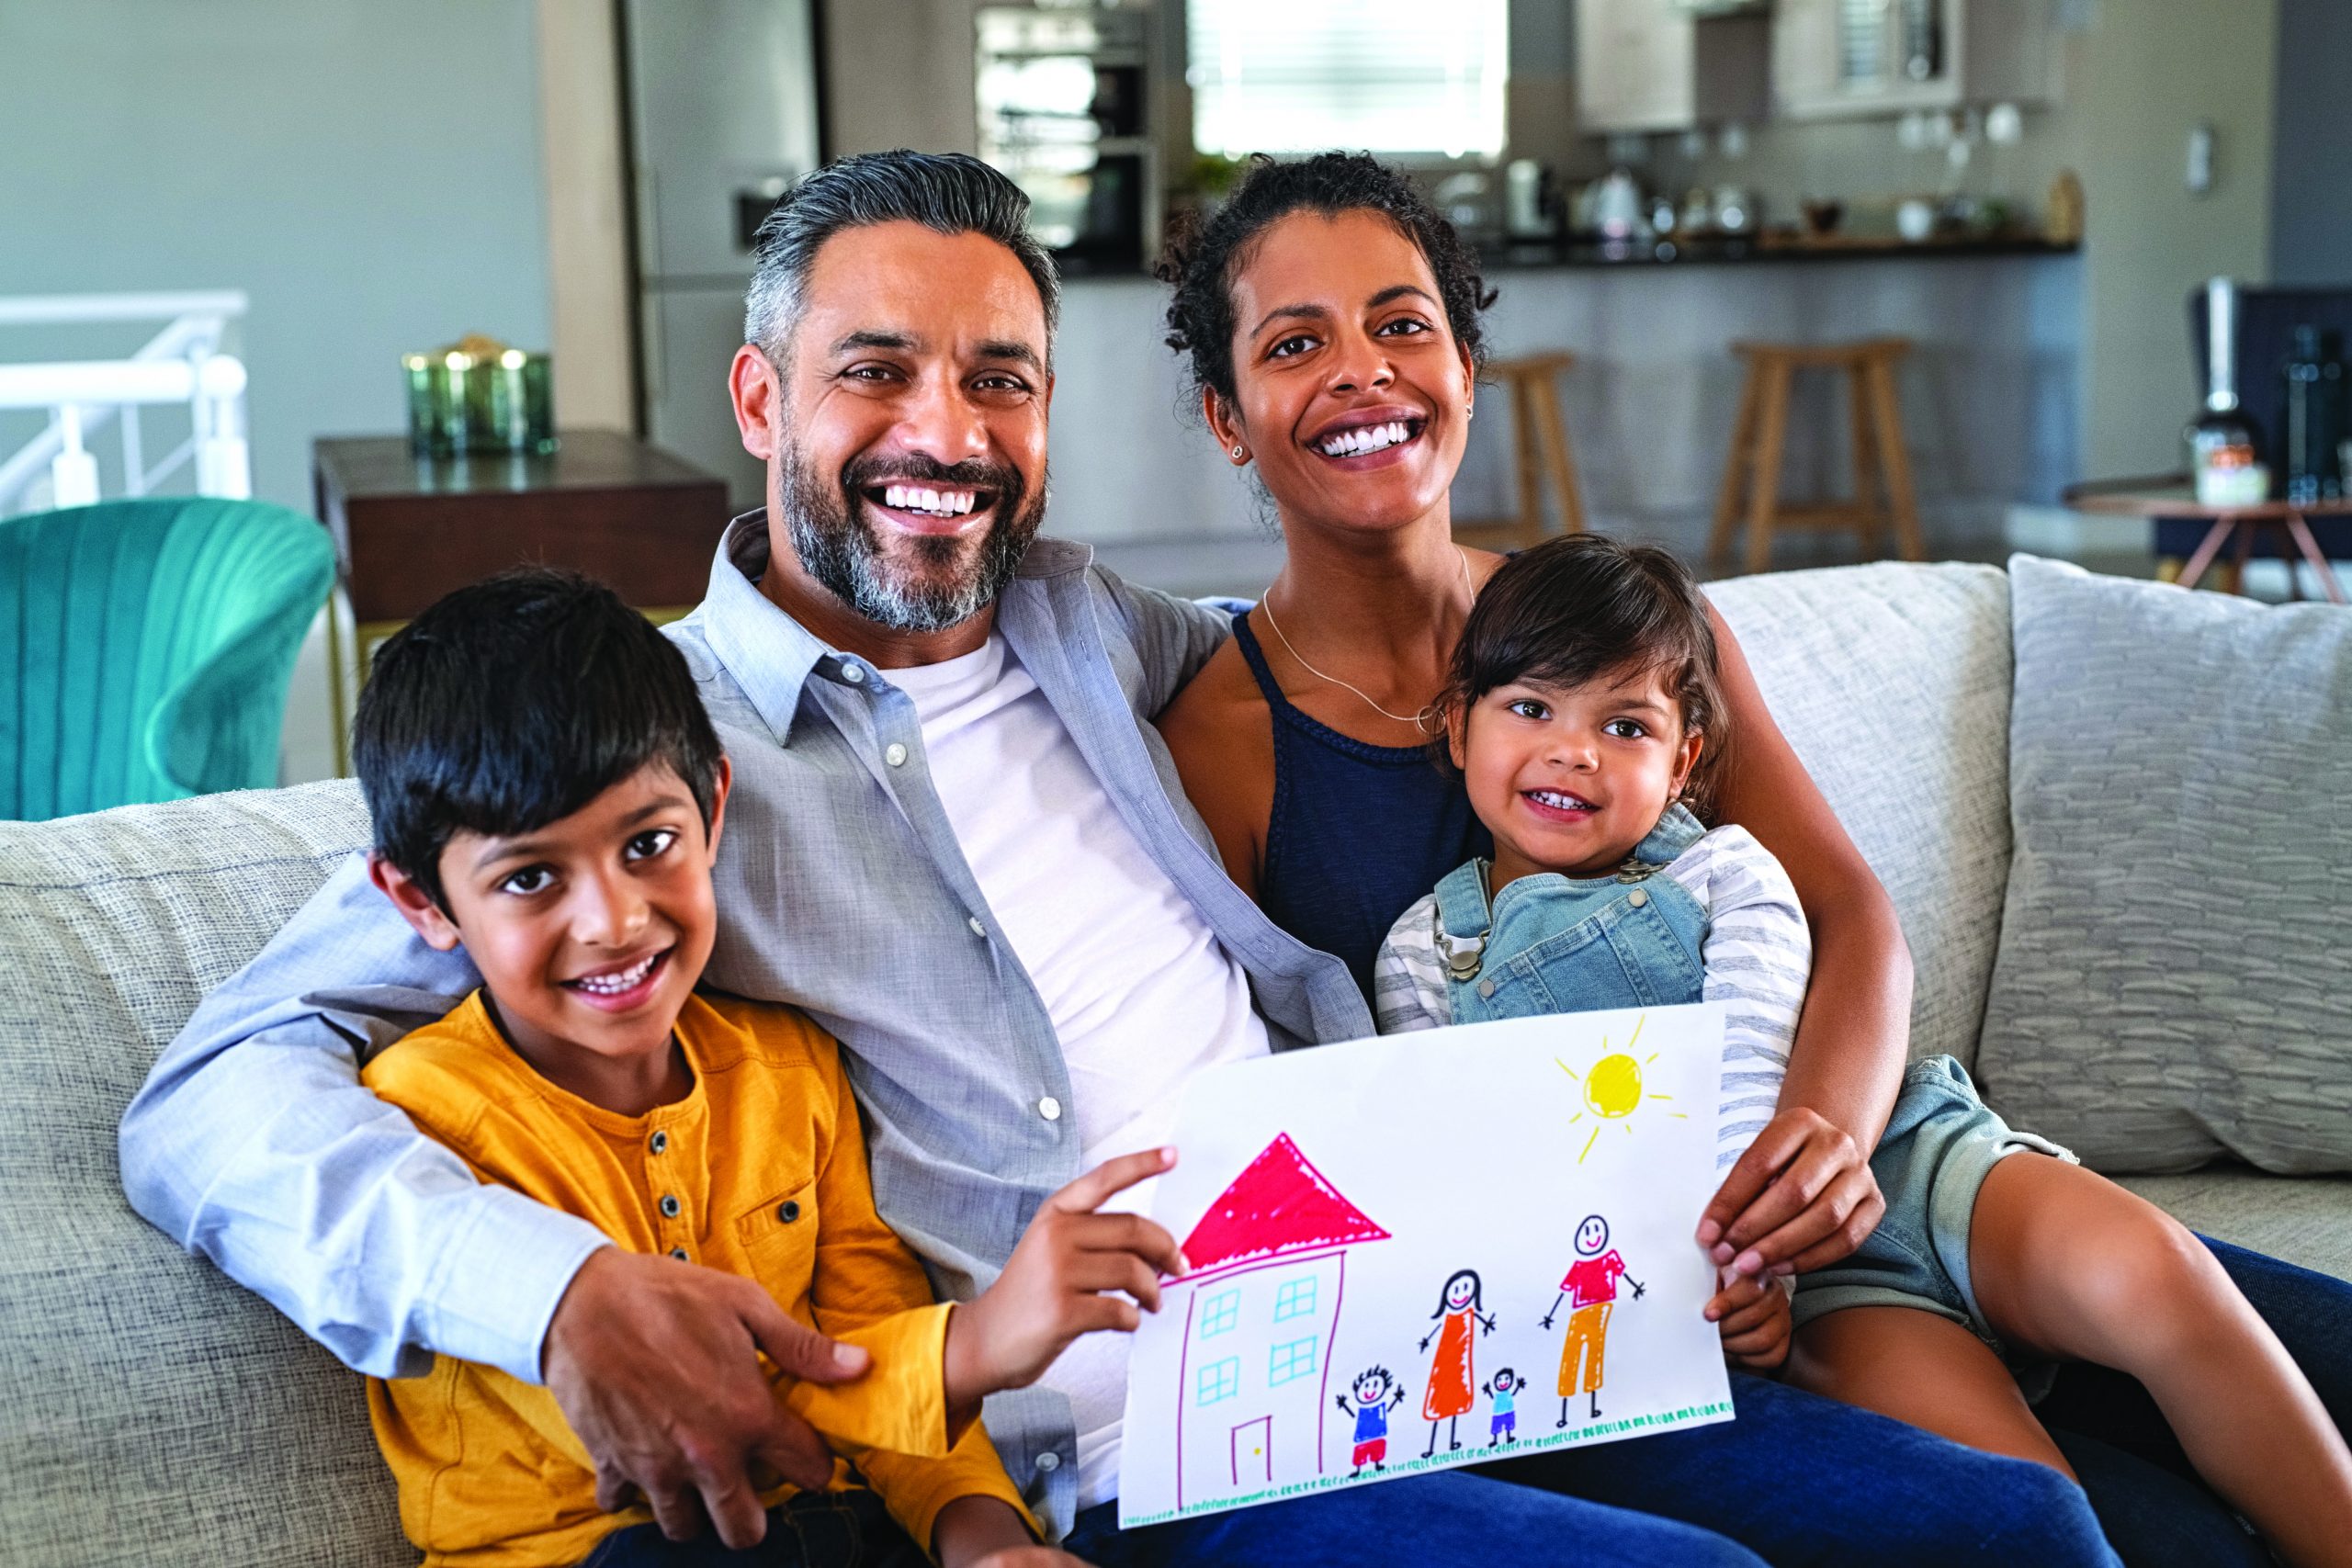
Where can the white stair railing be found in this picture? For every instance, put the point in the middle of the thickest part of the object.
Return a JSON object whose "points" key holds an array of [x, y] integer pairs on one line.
{"points": [[180, 365]]}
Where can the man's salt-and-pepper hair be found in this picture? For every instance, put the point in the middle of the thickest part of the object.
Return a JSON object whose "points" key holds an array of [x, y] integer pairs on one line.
{"points": [[953, 192]]}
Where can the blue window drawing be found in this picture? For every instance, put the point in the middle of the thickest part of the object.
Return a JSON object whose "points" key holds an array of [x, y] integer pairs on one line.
{"points": [[1219, 1380], [1296, 1299], [1220, 1313], [1294, 1359]]}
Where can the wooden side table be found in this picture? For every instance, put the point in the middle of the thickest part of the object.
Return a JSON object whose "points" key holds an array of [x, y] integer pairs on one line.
{"points": [[2171, 495], [408, 530]]}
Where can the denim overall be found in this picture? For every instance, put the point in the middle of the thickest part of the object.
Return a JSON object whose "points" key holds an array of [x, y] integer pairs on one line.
{"points": [[1553, 943]]}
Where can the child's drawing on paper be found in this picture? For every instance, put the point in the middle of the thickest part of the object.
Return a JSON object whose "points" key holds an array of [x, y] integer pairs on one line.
{"points": [[1377, 1393], [1503, 1391], [1451, 1380], [1327, 1305], [1590, 1291], [1262, 1303]]}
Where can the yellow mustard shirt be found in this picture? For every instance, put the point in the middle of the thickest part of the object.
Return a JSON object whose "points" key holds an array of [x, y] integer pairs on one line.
{"points": [[760, 1171]]}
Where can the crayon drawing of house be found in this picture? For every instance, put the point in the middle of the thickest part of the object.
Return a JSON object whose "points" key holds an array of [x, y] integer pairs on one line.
{"points": [[1262, 1301]]}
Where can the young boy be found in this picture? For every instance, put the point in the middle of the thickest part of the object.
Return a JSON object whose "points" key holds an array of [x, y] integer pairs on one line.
{"points": [[548, 793]]}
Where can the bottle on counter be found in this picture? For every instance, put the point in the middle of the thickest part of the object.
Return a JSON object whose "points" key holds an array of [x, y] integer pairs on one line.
{"points": [[2314, 419], [2225, 456]]}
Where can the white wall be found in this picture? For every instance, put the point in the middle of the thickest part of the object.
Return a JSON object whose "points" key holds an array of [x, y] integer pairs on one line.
{"points": [[368, 173]]}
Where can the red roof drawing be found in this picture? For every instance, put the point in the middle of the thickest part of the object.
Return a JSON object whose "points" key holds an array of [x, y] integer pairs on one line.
{"points": [[1279, 1204]]}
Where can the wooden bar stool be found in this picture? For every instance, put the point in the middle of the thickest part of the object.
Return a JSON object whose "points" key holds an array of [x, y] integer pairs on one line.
{"points": [[1752, 476], [1540, 445]]}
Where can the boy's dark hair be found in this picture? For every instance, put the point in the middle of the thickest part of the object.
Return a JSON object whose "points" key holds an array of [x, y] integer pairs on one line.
{"points": [[512, 704], [1570, 609], [1200, 258]]}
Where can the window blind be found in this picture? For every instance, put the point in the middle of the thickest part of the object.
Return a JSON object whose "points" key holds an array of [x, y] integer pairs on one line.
{"points": [[1391, 77]]}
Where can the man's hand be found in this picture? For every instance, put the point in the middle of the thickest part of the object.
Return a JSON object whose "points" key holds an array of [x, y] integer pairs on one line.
{"points": [[1751, 1312], [1056, 1285], [1801, 1198], [654, 1362]]}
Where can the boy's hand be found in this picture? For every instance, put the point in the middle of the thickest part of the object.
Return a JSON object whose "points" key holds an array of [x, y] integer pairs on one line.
{"points": [[983, 1532], [1056, 1286], [1751, 1312], [655, 1363], [1801, 1198]]}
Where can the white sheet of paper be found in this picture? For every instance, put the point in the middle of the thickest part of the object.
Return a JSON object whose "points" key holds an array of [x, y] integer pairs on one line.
{"points": [[1443, 1206]]}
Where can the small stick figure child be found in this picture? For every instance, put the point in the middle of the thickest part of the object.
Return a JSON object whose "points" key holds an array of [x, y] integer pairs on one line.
{"points": [[1377, 1394], [1449, 1397], [1503, 1389], [1591, 1288]]}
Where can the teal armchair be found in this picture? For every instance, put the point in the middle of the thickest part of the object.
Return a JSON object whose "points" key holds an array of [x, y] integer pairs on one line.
{"points": [[146, 647]]}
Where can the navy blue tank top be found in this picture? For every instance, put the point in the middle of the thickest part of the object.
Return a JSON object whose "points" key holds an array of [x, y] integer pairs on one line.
{"points": [[1358, 832]]}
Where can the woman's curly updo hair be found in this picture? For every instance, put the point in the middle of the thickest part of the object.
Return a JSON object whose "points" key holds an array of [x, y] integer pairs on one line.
{"points": [[1201, 258]]}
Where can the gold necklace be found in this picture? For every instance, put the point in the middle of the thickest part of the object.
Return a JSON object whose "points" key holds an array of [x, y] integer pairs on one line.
{"points": [[1418, 720]]}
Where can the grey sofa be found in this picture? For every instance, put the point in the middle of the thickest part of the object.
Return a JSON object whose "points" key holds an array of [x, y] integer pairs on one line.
{"points": [[155, 1413]]}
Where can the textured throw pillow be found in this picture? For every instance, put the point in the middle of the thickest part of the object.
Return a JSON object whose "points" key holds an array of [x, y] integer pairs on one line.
{"points": [[2174, 974]]}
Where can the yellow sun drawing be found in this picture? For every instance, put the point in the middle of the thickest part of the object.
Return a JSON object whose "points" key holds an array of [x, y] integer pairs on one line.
{"points": [[1612, 1088]]}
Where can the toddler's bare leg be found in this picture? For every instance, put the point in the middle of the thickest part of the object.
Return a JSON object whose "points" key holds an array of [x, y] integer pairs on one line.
{"points": [[2067, 1263], [1925, 1369]]}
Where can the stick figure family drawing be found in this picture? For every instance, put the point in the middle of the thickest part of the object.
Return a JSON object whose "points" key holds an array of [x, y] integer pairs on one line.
{"points": [[1590, 1291]]}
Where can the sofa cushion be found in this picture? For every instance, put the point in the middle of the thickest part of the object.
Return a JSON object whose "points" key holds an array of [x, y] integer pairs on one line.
{"points": [[156, 1412], [2172, 983], [1892, 684], [2305, 1220]]}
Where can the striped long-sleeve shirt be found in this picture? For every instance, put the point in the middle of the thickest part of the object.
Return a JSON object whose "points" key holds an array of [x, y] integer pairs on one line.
{"points": [[1757, 954]]}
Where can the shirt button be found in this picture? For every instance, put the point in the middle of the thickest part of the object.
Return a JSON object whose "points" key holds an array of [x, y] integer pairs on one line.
{"points": [[659, 1141], [789, 1211], [1050, 1108], [1048, 1462], [1637, 898], [680, 1253], [894, 754], [853, 673], [669, 1207], [978, 929]]}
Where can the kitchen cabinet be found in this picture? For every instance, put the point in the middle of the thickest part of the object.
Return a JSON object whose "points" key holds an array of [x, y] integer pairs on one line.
{"points": [[1860, 58], [1653, 65]]}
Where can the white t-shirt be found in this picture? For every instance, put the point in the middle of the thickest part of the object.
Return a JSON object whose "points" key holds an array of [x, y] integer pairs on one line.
{"points": [[1141, 993]]}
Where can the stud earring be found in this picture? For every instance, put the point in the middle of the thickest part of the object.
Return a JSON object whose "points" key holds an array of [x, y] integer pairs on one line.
{"points": [[1236, 451]]}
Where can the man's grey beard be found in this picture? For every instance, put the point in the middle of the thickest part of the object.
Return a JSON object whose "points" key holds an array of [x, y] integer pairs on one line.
{"points": [[838, 547]]}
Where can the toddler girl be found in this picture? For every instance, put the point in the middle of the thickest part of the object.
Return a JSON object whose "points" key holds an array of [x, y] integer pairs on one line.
{"points": [[1583, 714]]}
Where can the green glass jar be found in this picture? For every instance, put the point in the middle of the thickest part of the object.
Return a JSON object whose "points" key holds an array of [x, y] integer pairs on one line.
{"points": [[479, 395]]}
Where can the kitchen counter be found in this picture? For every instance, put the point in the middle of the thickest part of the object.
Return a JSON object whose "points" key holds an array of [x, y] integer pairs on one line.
{"points": [[1517, 255]]}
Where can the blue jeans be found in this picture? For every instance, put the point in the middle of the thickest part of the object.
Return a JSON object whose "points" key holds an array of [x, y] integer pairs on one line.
{"points": [[2158, 1514], [809, 1529], [1420, 1521], [1802, 1480]]}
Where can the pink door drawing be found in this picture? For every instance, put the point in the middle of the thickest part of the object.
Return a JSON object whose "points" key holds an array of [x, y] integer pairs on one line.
{"points": [[1253, 1452]]}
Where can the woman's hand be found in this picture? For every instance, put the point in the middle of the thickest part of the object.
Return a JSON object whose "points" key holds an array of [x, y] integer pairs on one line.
{"points": [[1801, 1197], [1071, 1274]]}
